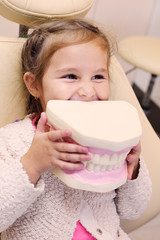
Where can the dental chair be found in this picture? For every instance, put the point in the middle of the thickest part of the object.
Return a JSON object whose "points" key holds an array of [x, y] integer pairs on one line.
{"points": [[143, 52], [12, 90]]}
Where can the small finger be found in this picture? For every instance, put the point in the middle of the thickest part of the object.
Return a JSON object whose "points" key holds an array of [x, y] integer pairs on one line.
{"points": [[69, 147], [130, 169], [41, 126], [74, 157], [132, 157], [58, 134], [70, 165]]}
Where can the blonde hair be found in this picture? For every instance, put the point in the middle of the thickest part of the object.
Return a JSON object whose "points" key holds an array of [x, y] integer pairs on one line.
{"points": [[44, 41]]}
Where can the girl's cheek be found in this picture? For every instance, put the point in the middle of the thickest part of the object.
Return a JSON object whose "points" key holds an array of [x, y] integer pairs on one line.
{"points": [[104, 93]]}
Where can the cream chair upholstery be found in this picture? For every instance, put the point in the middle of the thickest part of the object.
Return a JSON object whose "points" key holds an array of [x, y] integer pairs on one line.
{"points": [[32, 13], [143, 52], [149, 231], [12, 104], [12, 92], [29, 14], [121, 90]]}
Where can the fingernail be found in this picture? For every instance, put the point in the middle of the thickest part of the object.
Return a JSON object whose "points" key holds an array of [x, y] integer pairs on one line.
{"points": [[87, 157], [85, 149], [68, 132], [82, 166], [129, 177]]}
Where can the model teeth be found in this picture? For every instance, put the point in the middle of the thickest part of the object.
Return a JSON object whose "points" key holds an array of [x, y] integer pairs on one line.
{"points": [[101, 163]]}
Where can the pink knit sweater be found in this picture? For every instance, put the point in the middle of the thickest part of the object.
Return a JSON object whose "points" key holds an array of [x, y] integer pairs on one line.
{"points": [[50, 210]]}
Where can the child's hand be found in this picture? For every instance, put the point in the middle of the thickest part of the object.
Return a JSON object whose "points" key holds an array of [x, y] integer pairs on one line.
{"points": [[48, 150], [133, 162]]}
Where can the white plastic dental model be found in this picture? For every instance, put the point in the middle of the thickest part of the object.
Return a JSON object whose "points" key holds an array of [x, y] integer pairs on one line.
{"points": [[109, 129]]}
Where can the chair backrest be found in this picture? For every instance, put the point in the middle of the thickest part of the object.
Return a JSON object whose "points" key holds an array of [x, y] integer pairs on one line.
{"points": [[12, 91], [121, 90]]}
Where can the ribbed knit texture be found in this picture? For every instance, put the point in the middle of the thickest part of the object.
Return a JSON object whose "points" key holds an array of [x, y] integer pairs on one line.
{"points": [[50, 209]]}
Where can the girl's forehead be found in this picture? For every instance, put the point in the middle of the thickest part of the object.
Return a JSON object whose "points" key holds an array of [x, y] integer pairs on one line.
{"points": [[81, 49], [86, 55]]}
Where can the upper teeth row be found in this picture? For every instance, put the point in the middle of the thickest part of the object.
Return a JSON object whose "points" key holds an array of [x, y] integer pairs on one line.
{"points": [[101, 163]]}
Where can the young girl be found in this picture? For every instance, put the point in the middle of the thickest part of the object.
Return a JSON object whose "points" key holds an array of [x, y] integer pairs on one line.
{"points": [[65, 60]]}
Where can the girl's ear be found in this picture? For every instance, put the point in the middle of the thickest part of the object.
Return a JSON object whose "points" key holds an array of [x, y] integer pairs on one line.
{"points": [[32, 85]]}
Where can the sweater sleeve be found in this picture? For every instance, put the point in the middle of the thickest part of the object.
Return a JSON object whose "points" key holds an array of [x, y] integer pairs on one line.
{"points": [[16, 191], [133, 197]]}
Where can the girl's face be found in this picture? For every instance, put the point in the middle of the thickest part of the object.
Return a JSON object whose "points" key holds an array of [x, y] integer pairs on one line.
{"points": [[77, 72]]}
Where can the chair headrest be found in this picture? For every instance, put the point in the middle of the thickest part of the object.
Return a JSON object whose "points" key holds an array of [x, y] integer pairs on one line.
{"points": [[33, 14]]}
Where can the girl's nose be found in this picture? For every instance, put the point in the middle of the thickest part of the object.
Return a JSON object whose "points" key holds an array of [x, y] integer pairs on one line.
{"points": [[87, 91]]}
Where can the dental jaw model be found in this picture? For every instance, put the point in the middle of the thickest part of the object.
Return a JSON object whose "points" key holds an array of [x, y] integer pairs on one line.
{"points": [[109, 129]]}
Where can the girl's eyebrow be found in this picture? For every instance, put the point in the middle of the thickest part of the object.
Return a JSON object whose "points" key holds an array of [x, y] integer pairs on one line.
{"points": [[67, 69], [101, 71], [105, 70], [64, 70]]}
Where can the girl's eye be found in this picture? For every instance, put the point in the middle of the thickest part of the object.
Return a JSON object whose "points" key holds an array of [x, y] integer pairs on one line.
{"points": [[98, 77], [70, 76]]}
